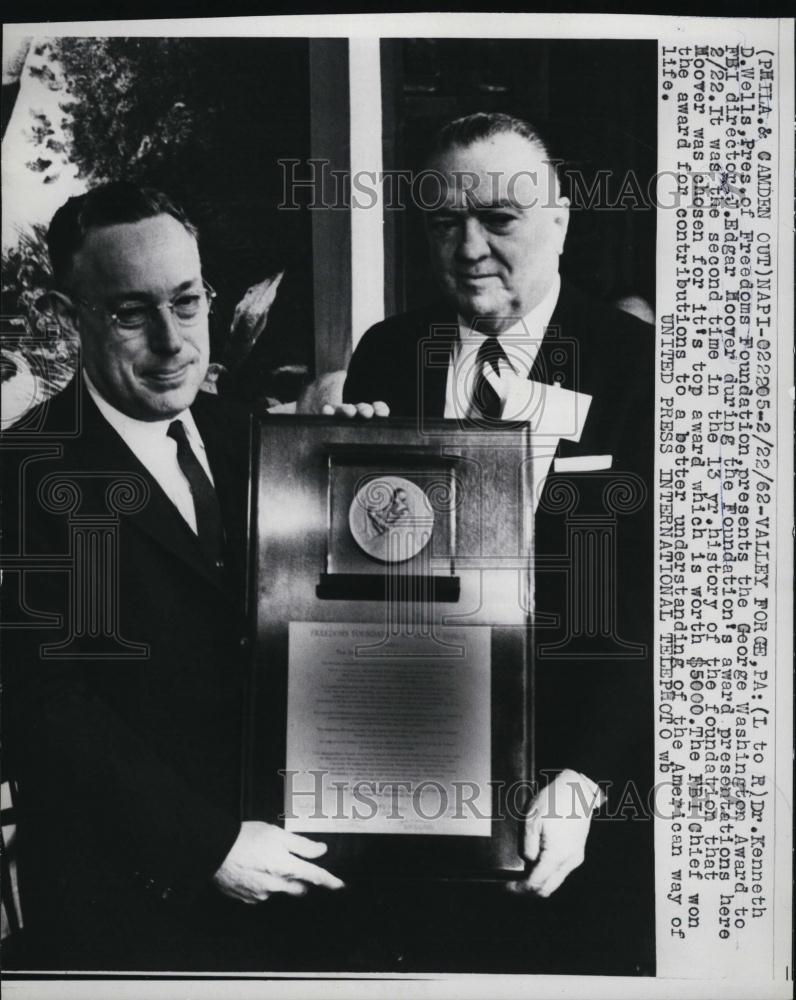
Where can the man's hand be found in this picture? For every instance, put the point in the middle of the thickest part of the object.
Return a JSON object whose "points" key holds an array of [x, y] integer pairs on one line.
{"points": [[556, 829], [324, 396], [266, 859], [366, 410]]}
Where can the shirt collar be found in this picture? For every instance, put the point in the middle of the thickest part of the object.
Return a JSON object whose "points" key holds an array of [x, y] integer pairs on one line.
{"points": [[520, 342], [131, 429]]}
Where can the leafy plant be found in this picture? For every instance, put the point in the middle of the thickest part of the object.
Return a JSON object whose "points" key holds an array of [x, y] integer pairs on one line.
{"points": [[205, 119]]}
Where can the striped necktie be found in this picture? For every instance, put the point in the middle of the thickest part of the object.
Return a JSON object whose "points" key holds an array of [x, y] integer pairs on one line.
{"points": [[486, 402]]}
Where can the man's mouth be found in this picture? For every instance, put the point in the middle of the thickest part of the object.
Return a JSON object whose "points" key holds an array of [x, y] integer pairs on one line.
{"points": [[474, 279], [167, 376]]}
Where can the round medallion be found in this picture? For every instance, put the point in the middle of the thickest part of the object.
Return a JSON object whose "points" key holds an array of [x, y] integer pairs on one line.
{"points": [[391, 519]]}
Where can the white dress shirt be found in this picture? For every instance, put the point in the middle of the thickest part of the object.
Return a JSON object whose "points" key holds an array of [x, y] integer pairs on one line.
{"points": [[521, 342], [157, 452]]}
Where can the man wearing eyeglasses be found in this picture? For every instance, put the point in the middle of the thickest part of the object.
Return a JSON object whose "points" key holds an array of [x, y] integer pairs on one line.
{"points": [[125, 639]]}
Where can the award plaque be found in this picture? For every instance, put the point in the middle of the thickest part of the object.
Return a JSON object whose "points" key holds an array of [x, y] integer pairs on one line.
{"points": [[390, 588]]}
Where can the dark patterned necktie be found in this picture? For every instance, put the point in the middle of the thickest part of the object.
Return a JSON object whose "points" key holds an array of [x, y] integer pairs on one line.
{"points": [[209, 527], [486, 402]]}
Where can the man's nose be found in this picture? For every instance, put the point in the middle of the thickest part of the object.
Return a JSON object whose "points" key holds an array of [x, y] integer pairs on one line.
{"points": [[165, 335], [472, 243]]}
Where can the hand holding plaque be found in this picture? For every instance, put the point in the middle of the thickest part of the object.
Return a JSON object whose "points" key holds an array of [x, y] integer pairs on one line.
{"points": [[265, 859]]}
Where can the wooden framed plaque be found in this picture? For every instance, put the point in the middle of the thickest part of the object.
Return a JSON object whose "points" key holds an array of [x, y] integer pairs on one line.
{"points": [[390, 587]]}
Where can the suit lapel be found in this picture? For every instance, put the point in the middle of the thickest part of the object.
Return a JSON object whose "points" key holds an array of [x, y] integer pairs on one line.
{"points": [[104, 451], [558, 359], [571, 354], [435, 350]]}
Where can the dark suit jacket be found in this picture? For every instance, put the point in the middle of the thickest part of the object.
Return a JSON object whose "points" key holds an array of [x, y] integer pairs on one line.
{"points": [[593, 703], [593, 711], [123, 708]]}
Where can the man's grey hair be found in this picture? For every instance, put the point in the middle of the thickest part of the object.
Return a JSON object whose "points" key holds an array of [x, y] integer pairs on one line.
{"points": [[463, 132], [470, 129]]}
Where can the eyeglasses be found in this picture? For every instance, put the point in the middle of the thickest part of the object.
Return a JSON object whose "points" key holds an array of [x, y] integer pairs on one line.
{"points": [[186, 308]]}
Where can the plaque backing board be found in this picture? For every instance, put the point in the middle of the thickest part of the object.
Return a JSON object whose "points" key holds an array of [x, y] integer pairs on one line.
{"points": [[477, 570]]}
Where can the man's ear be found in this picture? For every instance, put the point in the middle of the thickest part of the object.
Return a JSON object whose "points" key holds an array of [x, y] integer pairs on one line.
{"points": [[64, 310], [561, 219]]}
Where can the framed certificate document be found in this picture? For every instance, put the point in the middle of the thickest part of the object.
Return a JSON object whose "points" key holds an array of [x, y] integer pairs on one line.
{"points": [[390, 708]]}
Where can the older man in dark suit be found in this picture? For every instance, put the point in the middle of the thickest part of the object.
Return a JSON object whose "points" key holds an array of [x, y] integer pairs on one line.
{"points": [[510, 341], [124, 660]]}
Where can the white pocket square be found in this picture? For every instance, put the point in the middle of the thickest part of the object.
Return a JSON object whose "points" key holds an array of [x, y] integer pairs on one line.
{"points": [[583, 463]]}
